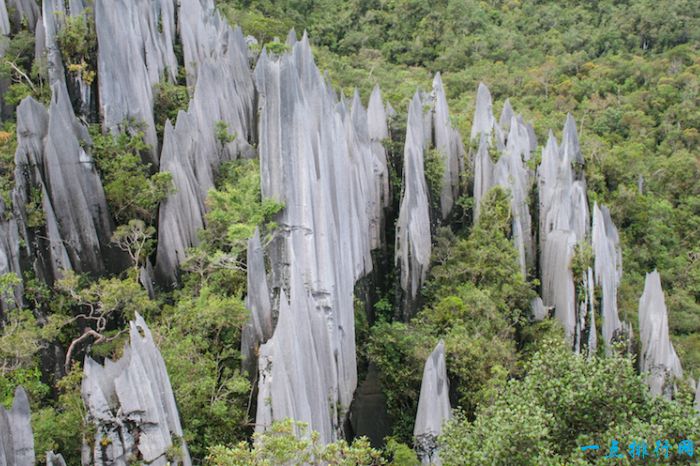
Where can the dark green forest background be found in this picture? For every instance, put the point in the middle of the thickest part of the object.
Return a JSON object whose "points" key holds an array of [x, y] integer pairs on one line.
{"points": [[628, 71]]}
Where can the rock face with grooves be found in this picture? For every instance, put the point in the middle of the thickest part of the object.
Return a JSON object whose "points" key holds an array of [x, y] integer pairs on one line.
{"points": [[223, 92], [563, 213], [608, 270], [52, 21], [259, 328], [433, 406], [16, 439], [4, 19], [510, 171], [131, 403], [449, 145], [9, 257], [413, 242], [658, 358], [317, 159], [23, 10], [558, 283], [135, 40], [44, 247], [56, 177]]}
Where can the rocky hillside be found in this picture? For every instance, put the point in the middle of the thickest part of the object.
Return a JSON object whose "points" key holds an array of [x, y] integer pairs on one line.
{"points": [[409, 232]]}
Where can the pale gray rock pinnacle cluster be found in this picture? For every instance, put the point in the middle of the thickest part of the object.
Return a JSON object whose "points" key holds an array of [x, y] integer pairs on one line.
{"points": [[9, 257], [413, 239], [449, 145], [135, 40], [513, 141], [223, 91], [428, 128], [433, 406], [131, 403], [317, 157], [55, 174], [563, 228], [658, 358], [16, 439]]}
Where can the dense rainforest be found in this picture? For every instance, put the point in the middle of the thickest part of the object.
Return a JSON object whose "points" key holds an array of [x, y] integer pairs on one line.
{"points": [[629, 74]]}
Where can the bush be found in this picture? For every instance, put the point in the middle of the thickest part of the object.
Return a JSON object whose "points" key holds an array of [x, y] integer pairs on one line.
{"points": [[132, 191]]}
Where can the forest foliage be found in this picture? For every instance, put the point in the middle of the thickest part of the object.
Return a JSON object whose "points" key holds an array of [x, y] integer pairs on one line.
{"points": [[629, 71]]}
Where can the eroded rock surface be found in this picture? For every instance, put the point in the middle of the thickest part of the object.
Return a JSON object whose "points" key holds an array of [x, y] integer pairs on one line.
{"points": [[433, 406], [413, 240], [131, 403], [316, 157], [658, 358], [16, 439], [223, 94], [135, 40], [608, 270], [59, 202]]}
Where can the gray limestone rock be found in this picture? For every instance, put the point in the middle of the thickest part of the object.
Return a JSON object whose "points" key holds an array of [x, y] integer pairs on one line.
{"points": [[260, 326], [564, 211], [510, 171], [53, 459], [378, 132], [506, 115], [146, 279], [131, 403], [449, 145], [9, 257], [658, 359], [50, 24], [16, 438], [484, 121], [223, 91], [4, 19], [135, 39], [181, 214], [55, 177], [24, 10], [697, 397], [316, 157], [45, 247], [413, 241], [558, 281], [608, 270], [570, 147], [433, 406], [538, 309], [74, 187]]}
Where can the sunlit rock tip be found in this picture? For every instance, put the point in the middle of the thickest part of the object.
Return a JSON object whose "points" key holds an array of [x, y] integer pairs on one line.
{"points": [[483, 114], [658, 358], [448, 144], [433, 406], [131, 404]]}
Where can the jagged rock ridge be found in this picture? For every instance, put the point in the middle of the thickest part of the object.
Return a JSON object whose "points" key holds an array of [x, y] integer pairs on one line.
{"points": [[316, 157], [131, 403], [223, 92], [413, 240], [135, 40]]}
